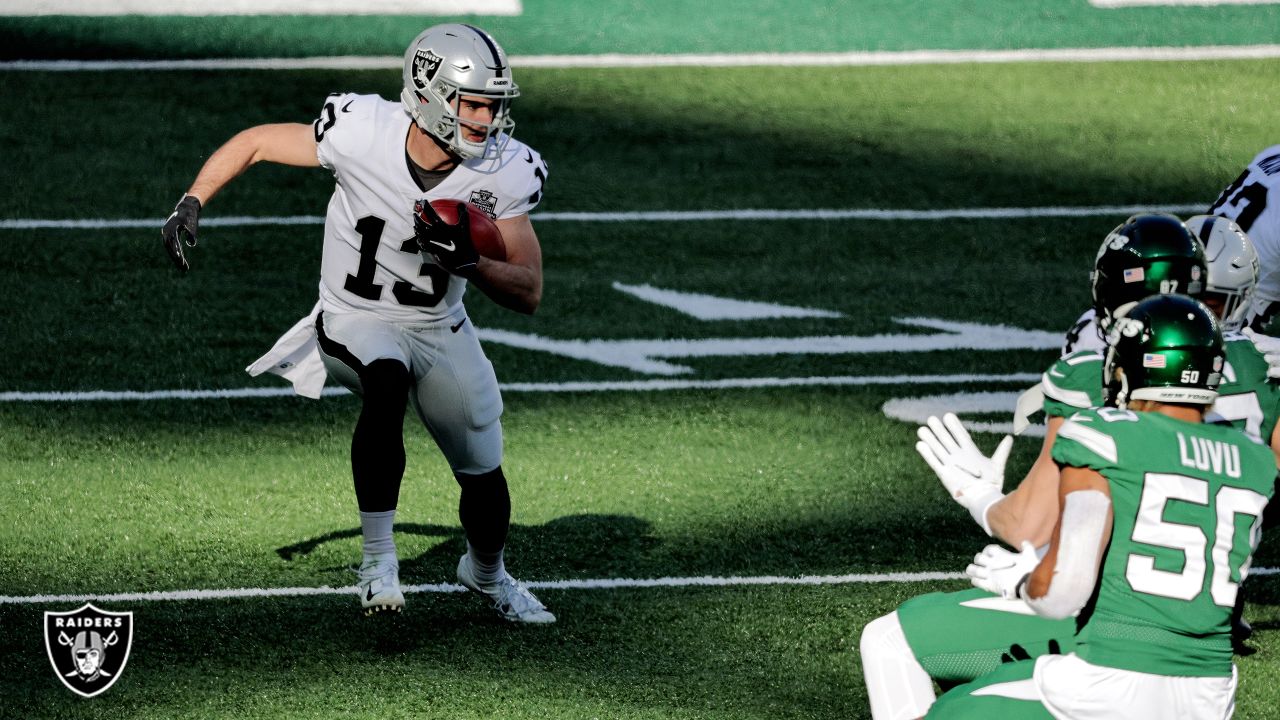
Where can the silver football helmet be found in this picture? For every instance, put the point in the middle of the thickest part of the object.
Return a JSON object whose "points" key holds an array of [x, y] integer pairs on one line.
{"points": [[1232, 263], [446, 61]]}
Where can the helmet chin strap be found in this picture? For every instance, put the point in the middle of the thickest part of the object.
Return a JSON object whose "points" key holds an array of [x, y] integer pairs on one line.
{"points": [[1122, 397]]}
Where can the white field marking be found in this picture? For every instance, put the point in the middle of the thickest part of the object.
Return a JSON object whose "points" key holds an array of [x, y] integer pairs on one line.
{"points": [[918, 410], [1112, 4], [106, 8], [646, 356], [563, 387], [649, 216], [710, 307], [585, 584], [618, 60]]}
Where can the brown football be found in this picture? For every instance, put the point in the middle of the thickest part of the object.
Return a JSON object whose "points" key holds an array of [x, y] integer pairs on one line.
{"points": [[484, 232]]}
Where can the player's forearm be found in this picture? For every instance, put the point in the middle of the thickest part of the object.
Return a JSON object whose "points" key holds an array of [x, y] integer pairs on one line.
{"points": [[515, 287], [226, 163], [1020, 517], [1064, 581], [286, 143], [1030, 511]]}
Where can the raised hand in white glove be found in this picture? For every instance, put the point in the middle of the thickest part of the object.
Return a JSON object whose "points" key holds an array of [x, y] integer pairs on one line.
{"points": [[1269, 346], [1002, 571], [973, 479]]}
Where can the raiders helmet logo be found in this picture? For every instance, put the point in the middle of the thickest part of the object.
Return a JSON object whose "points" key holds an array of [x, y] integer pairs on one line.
{"points": [[425, 65], [88, 647]]}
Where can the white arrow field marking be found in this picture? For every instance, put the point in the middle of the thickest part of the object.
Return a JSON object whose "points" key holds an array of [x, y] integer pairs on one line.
{"points": [[710, 307], [643, 355]]}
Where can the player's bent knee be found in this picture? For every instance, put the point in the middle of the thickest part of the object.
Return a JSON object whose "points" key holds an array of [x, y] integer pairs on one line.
{"points": [[897, 686], [878, 636], [385, 377]]}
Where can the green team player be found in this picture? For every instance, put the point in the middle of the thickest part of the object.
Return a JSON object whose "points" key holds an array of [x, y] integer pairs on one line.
{"points": [[955, 637], [1160, 514]]}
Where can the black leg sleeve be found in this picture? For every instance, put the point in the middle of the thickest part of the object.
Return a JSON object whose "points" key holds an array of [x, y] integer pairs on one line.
{"points": [[485, 509], [377, 446]]}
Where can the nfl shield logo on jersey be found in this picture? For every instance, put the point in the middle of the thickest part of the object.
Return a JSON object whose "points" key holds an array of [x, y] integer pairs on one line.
{"points": [[88, 647], [425, 65], [486, 201]]}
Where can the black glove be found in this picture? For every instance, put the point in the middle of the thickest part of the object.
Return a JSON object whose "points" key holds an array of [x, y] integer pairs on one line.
{"points": [[181, 227], [450, 245]]}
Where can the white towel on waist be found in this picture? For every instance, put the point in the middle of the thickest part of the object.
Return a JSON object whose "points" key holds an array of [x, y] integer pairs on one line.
{"points": [[296, 358]]}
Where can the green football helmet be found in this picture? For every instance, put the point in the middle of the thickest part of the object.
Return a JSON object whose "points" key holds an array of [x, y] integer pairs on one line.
{"points": [[1150, 254], [1166, 348]]}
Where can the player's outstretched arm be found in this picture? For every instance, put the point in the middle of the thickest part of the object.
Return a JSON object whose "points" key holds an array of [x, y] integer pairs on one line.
{"points": [[1029, 512], [285, 143], [517, 283]]}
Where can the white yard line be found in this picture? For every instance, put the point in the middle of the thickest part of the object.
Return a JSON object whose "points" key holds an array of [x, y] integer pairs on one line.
{"points": [[562, 387], [106, 8], [582, 584], [1120, 211], [618, 60]]}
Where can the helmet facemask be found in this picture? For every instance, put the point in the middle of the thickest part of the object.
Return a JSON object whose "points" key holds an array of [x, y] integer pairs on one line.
{"points": [[447, 63]]}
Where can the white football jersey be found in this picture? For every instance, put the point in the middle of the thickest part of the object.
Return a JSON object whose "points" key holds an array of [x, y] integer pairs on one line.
{"points": [[1253, 202], [370, 261], [1083, 335]]}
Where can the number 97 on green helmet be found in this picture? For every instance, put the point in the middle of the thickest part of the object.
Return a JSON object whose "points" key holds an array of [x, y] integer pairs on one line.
{"points": [[1150, 254]]}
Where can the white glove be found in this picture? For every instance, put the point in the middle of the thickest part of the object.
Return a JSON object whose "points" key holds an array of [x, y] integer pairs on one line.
{"points": [[973, 479], [1269, 347], [1003, 571]]}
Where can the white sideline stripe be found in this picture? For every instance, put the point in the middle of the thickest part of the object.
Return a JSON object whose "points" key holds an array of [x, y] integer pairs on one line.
{"points": [[105, 8], [619, 60], [591, 584], [578, 386], [652, 216], [1112, 4]]}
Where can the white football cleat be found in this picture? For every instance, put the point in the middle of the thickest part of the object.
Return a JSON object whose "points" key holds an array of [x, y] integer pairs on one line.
{"points": [[511, 599], [379, 585]]}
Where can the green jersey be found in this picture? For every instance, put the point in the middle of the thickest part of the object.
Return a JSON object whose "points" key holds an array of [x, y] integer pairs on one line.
{"points": [[1187, 500], [1245, 399]]}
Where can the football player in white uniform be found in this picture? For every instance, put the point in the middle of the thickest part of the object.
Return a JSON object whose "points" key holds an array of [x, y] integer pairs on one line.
{"points": [[1253, 202], [390, 323]]}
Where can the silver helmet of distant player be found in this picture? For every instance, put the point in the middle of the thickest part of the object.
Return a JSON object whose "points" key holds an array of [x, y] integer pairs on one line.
{"points": [[446, 62], [1233, 267]]}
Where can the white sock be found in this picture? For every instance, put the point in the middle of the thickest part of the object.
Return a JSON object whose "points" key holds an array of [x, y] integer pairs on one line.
{"points": [[488, 568], [376, 528], [898, 687]]}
